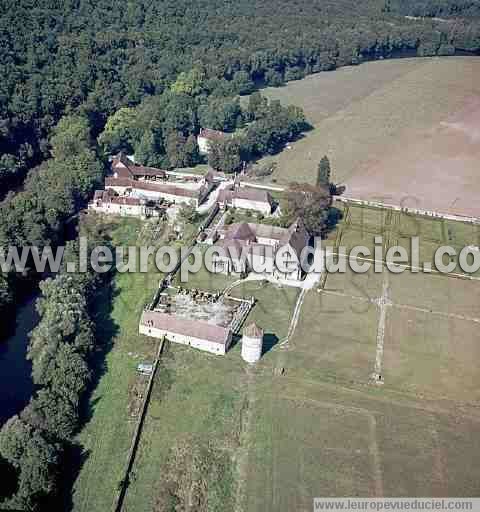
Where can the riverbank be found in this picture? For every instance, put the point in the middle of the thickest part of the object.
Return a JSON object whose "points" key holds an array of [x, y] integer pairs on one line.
{"points": [[15, 370]]}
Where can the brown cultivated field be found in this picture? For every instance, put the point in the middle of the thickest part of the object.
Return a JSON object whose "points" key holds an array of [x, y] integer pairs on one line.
{"points": [[404, 132]]}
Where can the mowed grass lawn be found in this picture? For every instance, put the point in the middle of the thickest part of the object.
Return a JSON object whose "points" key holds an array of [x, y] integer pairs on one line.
{"points": [[301, 449], [107, 435], [319, 429], [432, 355], [311, 439], [437, 293], [323, 429], [335, 339], [272, 311], [201, 279], [198, 403]]}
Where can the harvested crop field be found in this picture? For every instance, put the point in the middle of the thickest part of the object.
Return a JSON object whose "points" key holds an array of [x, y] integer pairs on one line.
{"points": [[402, 132]]}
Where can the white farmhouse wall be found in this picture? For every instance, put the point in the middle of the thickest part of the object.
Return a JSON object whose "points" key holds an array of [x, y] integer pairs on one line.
{"points": [[203, 145], [247, 204], [261, 262], [205, 345], [288, 254], [225, 265], [120, 209], [154, 195]]}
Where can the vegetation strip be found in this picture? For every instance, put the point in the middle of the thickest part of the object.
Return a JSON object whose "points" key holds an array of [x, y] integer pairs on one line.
{"points": [[138, 432]]}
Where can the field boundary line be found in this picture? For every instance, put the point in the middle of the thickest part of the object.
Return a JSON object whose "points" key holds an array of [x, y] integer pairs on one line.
{"points": [[399, 305], [439, 464], [375, 454], [382, 303], [454, 275], [398, 398], [122, 492], [326, 405], [244, 448], [417, 211], [295, 317], [456, 316]]}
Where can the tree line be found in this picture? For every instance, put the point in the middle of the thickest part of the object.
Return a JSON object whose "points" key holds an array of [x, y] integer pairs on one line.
{"points": [[162, 130], [52, 193], [435, 8], [35, 443], [95, 58]]}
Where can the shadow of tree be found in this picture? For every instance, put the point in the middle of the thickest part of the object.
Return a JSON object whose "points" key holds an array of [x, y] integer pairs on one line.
{"points": [[9, 479], [334, 216], [74, 458], [105, 332]]}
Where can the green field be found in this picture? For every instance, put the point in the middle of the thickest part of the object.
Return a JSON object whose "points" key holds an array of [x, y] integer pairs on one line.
{"points": [[203, 279], [324, 429], [208, 389], [191, 433], [307, 420], [106, 437]]}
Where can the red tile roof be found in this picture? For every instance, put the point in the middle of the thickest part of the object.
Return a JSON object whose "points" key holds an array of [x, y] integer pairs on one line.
{"points": [[154, 187], [232, 244], [296, 235], [253, 331], [240, 231], [185, 327], [207, 133], [126, 168]]}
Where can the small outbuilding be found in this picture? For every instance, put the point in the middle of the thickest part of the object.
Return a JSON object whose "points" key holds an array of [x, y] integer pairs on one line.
{"points": [[145, 369], [252, 343]]}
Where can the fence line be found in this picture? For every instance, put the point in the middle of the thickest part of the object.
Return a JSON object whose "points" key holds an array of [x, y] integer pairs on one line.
{"points": [[119, 500], [417, 211]]}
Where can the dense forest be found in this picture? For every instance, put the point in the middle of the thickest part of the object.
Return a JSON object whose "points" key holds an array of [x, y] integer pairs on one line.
{"points": [[434, 8], [95, 57], [51, 194], [145, 76], [81, 79], [34, 445]]}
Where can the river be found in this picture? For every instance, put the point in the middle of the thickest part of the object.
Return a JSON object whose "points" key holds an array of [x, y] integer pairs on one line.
{"points": [[16, 385]]}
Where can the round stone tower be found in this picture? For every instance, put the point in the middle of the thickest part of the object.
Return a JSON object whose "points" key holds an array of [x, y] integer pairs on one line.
{"points": [[252, 343]]}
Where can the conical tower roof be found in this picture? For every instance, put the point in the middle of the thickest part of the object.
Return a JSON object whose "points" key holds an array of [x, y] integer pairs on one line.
{"points": [[253, 331]]}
